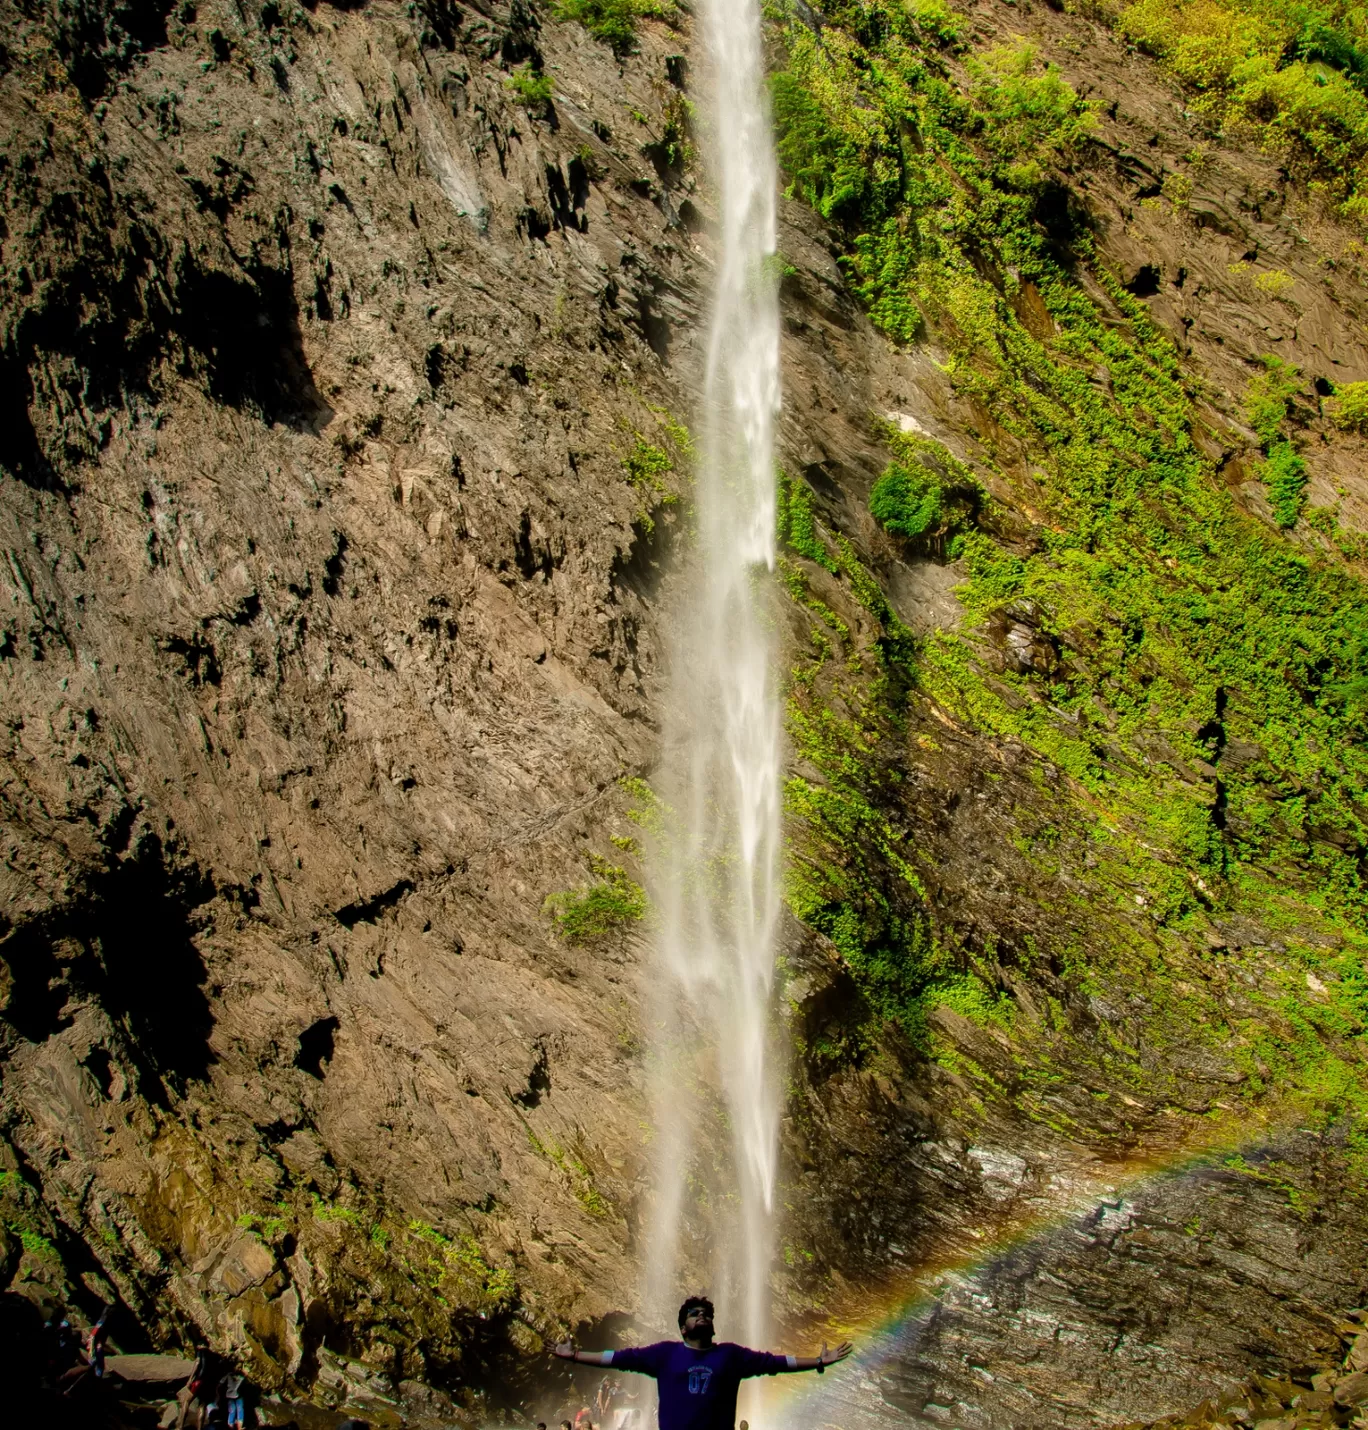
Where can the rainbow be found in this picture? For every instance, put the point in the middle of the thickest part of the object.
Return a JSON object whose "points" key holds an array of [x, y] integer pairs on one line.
{"points": [[884, 1320]]}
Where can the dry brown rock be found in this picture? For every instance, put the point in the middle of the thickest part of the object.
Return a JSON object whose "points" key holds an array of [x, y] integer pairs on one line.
{"points": [[1352, 1389], [1358, 1352]]}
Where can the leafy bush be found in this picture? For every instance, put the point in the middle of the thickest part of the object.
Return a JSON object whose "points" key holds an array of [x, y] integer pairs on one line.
{"points": [[907, 501], [1269, 398], [650, 466], [591, 911], [1275, 283], [798, 525], [925, 495], [532, 88], [612, 21], [1351, 406], [1284, 474], [1294, 74], [1027, 120], [647, 466], [936, 21]]}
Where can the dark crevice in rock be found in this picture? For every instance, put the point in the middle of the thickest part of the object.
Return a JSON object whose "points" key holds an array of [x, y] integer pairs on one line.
{"points": [[244, 330], [367, 911], [1063, 218], [316, 1046], [99, 41], [538, 1081], [640, 567], [128, 945], [1145, 283], [335, 565], [533, 559]]}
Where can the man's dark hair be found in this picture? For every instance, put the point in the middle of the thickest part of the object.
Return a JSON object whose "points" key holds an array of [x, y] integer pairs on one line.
{"points": [[695, 1303]]}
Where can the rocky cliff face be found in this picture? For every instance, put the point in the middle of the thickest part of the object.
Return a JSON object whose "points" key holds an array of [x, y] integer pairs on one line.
{"points": [[327, 644], [346, 353]]}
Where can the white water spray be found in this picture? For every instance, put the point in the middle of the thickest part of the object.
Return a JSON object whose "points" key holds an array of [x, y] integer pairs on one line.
{"points": [[717, 875]]}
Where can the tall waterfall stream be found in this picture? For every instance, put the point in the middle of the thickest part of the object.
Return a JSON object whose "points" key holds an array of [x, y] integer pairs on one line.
{"points": [[718, 867]]}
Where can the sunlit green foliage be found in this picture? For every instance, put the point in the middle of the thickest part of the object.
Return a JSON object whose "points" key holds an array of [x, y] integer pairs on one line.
{"points": [[798, 525], [1295, 74], [612, 21], [647, 466], [926, 495], [659, 468], [458, 1264], [1270, 397], [532, 88], [1285, 476], [589, 912], [1268, 406], [1351, 406], [1184, 628], [579, 1177], [19, 1213], [908, 501]]}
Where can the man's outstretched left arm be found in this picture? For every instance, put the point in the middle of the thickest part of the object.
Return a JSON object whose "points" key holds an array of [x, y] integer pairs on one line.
{"points": [[763, 1363]]}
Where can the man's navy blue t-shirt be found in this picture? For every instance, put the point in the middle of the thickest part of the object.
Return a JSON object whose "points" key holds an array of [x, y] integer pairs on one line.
{"points": [[698, 1388]]}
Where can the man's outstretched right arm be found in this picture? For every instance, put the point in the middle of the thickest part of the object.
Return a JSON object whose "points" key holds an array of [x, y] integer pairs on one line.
{"points": [[645, 1360], [566, 1351]]}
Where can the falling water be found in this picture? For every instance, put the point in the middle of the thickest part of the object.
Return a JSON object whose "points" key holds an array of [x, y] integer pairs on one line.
{"points": [[717, 880]]}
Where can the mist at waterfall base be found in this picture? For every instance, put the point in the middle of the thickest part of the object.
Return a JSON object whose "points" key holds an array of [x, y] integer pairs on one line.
{"points": [[715, 871]]}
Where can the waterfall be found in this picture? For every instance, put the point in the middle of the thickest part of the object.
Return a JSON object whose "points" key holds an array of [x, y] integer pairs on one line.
{"points": [[717, 867]]}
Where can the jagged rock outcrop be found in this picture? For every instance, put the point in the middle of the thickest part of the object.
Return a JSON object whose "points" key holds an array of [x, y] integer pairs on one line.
{"points": [[325, 649]]}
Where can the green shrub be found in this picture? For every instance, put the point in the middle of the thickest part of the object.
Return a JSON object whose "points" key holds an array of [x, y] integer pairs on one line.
{"points": [[798, 525], [907, 501], [612, 21], [1351, 406], [1269, 398], [1275, 283], [1292, 73], [925, 495], [647, 466], [532, 88], [1028, 120], [825, 167], [35, 1243], [1285, 476], [595, 909], [973, 998], [936, 21]]}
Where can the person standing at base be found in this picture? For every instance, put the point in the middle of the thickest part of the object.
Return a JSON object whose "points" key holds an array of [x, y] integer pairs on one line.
{"points": [[698, 1378], [231, 1388], [99, 1342]]}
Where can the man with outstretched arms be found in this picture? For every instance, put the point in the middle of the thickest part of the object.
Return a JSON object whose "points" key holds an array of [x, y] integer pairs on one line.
{"points": [[698, 1378]]}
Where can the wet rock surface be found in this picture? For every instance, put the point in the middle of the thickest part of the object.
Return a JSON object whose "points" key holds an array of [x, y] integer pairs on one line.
{"points": [[1163, 1294]]}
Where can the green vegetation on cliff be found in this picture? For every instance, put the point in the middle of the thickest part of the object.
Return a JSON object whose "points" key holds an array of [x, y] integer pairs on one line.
{"points": [[1201, 681], [589, 912], [612, 21], [1293, 75]]}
